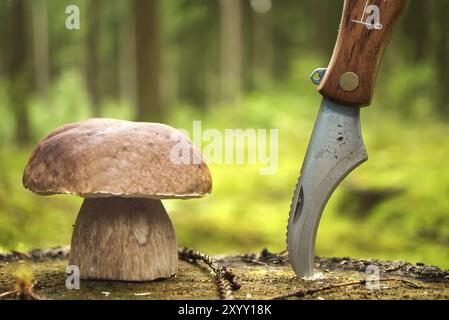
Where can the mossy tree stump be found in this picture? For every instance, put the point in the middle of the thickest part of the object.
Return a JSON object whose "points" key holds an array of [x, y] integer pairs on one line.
{"points": [[261, 276]]}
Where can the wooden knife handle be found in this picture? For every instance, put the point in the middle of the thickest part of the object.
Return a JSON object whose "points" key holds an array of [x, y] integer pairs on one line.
{"points": [[365, 29]]}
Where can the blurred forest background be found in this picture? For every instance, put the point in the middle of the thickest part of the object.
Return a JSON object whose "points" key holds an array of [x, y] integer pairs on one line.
{"points": [[232, 64]]}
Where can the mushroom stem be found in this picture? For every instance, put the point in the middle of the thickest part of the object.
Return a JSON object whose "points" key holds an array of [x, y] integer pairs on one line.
{"points": [[130, 239]]}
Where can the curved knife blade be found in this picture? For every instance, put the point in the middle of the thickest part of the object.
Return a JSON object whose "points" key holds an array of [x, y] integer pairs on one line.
{"points": [[336, 148]]}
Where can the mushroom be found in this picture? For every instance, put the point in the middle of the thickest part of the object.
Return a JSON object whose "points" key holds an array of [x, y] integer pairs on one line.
{"points": [[122, 170]]}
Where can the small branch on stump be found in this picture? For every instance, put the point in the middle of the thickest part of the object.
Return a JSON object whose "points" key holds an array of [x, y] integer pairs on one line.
{"points": [[24, 292], [20, 295], [7, 294], [225, 279], [309, 292]]}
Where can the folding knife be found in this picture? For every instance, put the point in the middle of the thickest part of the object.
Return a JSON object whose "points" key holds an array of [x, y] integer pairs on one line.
{"points": [[336, 147]]}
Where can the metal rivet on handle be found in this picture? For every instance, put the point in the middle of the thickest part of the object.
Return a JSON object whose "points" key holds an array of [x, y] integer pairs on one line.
{"points": [[349, 81]]}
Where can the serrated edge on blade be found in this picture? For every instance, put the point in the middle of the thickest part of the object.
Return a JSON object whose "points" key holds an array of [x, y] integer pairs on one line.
{"points": [[293, 204]]}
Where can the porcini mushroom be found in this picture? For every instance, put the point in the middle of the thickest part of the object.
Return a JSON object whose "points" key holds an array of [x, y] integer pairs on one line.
{"points": [[123, 169]]}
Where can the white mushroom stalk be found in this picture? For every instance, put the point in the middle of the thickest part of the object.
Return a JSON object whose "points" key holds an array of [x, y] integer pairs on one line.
{"points": [[124, 239]]}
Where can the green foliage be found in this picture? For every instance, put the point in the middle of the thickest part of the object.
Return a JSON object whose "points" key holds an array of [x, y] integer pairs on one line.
{"points": [[67, 102], [395, 206], [27, 220], [246, 210]]}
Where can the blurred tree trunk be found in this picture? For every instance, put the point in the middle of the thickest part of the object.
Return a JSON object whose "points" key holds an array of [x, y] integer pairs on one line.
{"points": [[441, 56], [19, 84], [212, 80], [40, 46], [191, 54], [93, 71], [262, 50], [127, 59], [3, 39], [326, 16], [230, 51], [416, 28], [148, 59]]}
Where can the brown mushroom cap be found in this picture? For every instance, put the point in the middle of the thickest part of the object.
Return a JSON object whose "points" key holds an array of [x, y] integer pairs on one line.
{"points": [[107, 157]]}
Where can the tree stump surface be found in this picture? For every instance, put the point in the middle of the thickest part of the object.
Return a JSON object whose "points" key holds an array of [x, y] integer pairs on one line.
{"points": [[261, 276]]}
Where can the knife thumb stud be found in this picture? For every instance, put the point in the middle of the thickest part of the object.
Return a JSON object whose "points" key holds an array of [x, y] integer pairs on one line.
{"points": [[349, 81]]}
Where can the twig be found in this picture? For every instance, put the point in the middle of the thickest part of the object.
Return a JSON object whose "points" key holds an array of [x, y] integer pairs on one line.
{"points": [[304, 293], [143, 294], [21, 295], [254, 261], [7, 294], [225, 279], [36, 254], [30, 295]]}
